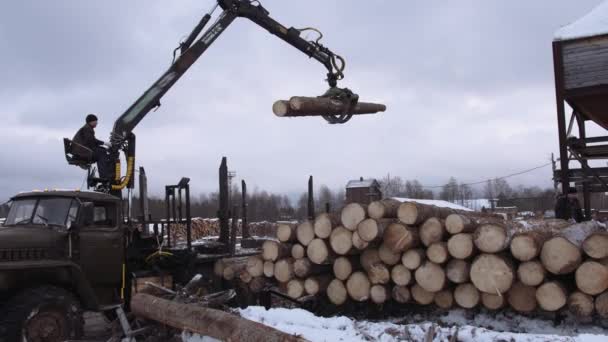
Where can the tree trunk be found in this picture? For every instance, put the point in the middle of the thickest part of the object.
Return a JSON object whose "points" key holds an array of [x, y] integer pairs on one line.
{"points": [[295, 288], [580, 304], [388, 256], [466, 295], [269, 269], [412, 213], [336, 292], [386, 208], [283, 270], [531, 273], [255, 266], [358, 286], [319, 252], [560, 256], [286, 232], [596, 245], [458, 223], [379, 294], [298, 251], [592, 278], [422, 296], [430, 276], [317, 284], [324, 224], [359, 243], [352, 215], [273, 250], [457, 271], [492, 301], [413, 258], [401, 275], [431, 231], [256, 285], [369, 257], [551, 296], [344, 266], [372, 230], [205, 321], [378, 273], [601, 305], [437, 252], [492, 273], [341, 240], [444, 299], [526, 246], [401, 294], [461, 246], [315, 106], [491, 237], [522, 297], [303, 268], [399, 237], [305, 233]]}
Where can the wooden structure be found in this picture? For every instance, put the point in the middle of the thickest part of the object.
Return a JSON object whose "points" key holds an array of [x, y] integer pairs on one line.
{"points": [[580, 54], [363, 191]]}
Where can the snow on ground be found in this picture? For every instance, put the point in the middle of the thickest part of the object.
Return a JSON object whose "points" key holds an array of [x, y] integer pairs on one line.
{"points": [[480, 327], [437, 203], [593, 23]]}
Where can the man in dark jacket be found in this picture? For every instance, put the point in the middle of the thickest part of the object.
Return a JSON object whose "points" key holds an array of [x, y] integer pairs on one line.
{"points": [[86, 137]]}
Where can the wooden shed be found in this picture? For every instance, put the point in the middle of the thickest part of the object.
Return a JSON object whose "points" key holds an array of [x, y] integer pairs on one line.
{"points": [[363, 191], [580, 56]]}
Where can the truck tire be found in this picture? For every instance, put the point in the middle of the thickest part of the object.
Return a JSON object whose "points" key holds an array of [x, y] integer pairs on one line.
{"points": [[41, 314]]}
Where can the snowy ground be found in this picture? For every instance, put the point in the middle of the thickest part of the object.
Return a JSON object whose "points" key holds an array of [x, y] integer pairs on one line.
{"points": [[453, 326]]}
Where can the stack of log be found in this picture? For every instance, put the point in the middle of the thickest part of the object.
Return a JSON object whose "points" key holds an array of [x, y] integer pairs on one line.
{"points": [[203, 227], [417, 254]]}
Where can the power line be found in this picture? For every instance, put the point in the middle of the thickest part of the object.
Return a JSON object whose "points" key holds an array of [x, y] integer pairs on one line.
{"points": [[495, 178]]}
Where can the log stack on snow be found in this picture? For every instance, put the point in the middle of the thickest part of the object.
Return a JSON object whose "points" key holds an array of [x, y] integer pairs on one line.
{"points": [[417, 254]]}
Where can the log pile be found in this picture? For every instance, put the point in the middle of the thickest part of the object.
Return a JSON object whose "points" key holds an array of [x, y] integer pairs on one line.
{"points": [[415, 254]]}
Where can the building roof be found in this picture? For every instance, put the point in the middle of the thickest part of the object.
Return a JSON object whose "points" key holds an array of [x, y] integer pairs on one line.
{"points": [[594, 23], [362, 183], [437, 203]]}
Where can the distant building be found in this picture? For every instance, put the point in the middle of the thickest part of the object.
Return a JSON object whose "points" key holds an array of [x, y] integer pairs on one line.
{"points": [[363, 191]]}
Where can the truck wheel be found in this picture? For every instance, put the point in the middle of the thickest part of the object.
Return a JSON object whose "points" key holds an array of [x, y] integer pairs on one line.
{"points": [[42, 314]]}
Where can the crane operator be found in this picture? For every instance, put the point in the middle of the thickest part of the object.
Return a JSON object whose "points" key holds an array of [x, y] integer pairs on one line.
{"points": [[86, 137]]}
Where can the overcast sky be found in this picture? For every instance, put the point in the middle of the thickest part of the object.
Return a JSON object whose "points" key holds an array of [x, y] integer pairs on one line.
{"points": [[468, 85]]}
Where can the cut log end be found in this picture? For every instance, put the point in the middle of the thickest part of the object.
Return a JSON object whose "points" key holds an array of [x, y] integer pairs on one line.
{"points": [[491, 273], [336, 292], [592, 278], [467, 295], [560, 256], [430, 276], [551, 296], [352, 215]]}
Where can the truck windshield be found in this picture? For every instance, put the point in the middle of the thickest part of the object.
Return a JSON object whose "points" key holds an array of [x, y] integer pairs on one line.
{"points": [[42, 211]]}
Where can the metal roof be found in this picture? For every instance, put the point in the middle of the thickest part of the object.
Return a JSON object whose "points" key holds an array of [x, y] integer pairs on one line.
{"points": [[359, 183], [90, 195]]}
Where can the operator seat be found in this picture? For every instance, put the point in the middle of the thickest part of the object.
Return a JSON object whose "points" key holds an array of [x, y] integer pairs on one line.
{"points": [[77, 154]]}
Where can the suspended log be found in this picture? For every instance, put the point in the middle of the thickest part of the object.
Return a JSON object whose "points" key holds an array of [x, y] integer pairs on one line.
{"points": [[298, 251], [596, 245], [551, 296], [560, 256], [255, 266], [422, 296], [592, 277], [197, 319], [386, 208], [305, 233], [352, 215], [324, 224], [467, 296], [444, 299], [580, 304], [286, 232], [413, 258], [401, 294], [359, 243], [256, 285], [303, 268], [601, 305], [459, 223], [295, 288], [388, 256], [358, 286], [341, 240], [400, 275], [283, 270], [531, 273], [273, 250], [369, 257], [372, 230], [299, 106], [319, 252], [438, 252], [343, 267], [412, 213], [522, 297], [431, 231], [457, 271], [378, 273], [379, 294], [461, 246], [492, 273], [399, 237], [492, 301], [430, 276], [317, 284], [336, 292], [526, 246], [269, 269], [491, 237]]}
